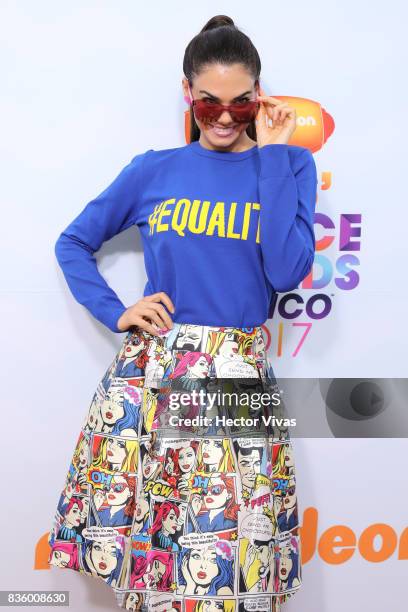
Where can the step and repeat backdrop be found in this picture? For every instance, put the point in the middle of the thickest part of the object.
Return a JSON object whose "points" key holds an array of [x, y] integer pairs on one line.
{"points": [[88, 85]]}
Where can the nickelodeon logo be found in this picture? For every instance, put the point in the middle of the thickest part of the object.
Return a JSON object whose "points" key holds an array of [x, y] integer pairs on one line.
{"points": [[313, 124], [337, 544]]}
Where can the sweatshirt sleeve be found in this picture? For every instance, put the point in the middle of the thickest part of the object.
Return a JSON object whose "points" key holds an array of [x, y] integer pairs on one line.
{"points": [[288, 202], [111, 212]]}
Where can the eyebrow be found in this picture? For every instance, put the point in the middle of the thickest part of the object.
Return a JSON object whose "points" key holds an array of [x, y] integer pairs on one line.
{"points": [[215, 97]]}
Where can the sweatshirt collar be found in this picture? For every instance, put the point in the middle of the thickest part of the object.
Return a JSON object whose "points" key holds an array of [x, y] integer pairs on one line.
{"points": [[197, 148]]}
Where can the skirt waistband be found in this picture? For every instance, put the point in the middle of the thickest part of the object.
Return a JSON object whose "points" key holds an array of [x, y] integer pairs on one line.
{"points": [[184, 327]]}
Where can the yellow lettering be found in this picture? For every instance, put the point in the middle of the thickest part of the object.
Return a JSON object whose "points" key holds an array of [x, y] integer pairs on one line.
{"points": [[182, 205], [153, 217], [217, 219], [231, 220], [163, 227], [257, 206], [192, 221], [247, 216]]}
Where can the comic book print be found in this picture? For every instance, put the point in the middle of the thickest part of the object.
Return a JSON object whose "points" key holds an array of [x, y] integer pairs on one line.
{"points": [[187, 519]]}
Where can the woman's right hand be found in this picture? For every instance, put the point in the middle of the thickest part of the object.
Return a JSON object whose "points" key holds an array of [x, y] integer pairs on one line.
{"points": [[147, 311]]}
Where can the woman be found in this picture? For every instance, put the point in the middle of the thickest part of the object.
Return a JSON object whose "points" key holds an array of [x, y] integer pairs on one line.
{"points": [[215, 456], [204, 571], [226, 222], [152, 572], [118, 502], [165, 525], [217, 509]]}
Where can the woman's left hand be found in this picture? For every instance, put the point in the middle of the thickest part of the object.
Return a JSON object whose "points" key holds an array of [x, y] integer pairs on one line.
{"points": [[283, 121]]}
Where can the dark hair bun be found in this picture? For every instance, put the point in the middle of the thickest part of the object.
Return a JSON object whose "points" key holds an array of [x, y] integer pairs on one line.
{"points": [[217, 22]]}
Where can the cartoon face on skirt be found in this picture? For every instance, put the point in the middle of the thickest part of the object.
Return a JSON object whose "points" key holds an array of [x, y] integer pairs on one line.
{"points": [[202, 565], [213, 452], [187, 459], [102, 556], [119, 491], [116, 450], [112, 407], [155, 572], [217, 494], [199, 369]]}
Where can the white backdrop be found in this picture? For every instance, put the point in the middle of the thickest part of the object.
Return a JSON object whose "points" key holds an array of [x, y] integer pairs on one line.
{"points": [[85, 87]]}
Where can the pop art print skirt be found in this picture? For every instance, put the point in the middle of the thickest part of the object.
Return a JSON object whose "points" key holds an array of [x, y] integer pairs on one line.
{"points": [[175, 497]]}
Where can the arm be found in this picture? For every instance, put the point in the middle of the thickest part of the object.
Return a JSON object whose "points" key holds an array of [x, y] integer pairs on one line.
{"points": [[288, 200], [110, 213]]}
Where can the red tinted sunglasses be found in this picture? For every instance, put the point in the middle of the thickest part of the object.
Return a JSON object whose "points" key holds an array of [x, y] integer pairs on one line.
{"points": [[241, 112]]}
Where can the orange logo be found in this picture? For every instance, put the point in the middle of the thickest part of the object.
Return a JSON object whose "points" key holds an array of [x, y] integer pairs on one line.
{"points": [[339, 543]]}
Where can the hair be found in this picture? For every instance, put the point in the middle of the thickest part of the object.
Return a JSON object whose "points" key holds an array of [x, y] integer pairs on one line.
{"points": [[141, 563], [220, 42], [224, 578], [188, 359], [71, 549], [162, 514], [86, 558]]}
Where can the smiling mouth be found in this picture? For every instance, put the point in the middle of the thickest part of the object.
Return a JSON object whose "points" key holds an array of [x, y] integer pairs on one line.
{"points": [[223, 131]]}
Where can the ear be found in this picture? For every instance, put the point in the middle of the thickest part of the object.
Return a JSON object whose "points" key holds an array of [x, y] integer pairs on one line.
{"points": [[186, 93]]}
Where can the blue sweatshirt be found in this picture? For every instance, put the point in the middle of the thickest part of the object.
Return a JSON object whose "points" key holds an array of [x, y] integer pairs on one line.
{"points": [[222, 231]]}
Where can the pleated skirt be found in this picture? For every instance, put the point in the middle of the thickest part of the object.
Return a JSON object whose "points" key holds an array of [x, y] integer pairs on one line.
{"points": [[176, 498]]}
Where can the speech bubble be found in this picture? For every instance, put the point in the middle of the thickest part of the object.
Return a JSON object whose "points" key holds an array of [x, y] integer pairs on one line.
{"points": [[160, 602], [250, 442], [256, 527], [234, 369], [261, 604], [198, 540], [99, 533]]}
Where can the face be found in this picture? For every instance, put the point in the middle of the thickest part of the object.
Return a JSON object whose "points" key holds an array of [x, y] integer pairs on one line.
{"points": [[186, 459], [249, 467], [103, 556], [217, 495], [83, 455], [170, 523], [112, 408], [131, 601], [142, 508], [199, 369], [203, 565], [212, 451], [229, 349], [285, 563], [132, 350], [188, 338], [264, 555], [225, 85], [155, 573], [288, 456], [116, 450], [73, 517], [119, 492], [149, 466], [60, 558], [289, 500]]}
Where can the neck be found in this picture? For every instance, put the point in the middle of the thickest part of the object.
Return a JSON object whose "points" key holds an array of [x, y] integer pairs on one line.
{"points": [[241, 144]]}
